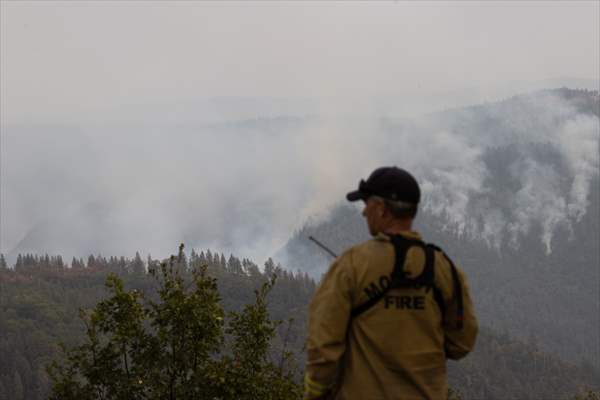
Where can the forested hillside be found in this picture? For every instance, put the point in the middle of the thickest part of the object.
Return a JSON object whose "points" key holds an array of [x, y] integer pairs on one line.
{"points": [[526, 231], [40, 299]]}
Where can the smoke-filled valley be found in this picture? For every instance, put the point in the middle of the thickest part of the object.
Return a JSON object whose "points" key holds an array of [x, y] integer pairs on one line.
{"points": [[108, 189], [511, 191]]}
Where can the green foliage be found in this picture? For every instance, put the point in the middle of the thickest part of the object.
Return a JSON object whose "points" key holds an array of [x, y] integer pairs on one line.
{"points": [[587, 395], [454, 395], [181, 345]]}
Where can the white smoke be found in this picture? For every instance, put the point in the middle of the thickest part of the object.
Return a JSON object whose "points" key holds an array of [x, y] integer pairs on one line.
{"points": [[537, 201], [447, 155], [245, 186], [579, 141]]}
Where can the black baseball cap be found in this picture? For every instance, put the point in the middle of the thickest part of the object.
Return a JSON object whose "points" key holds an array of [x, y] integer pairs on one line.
{"points": [[391, 183]]}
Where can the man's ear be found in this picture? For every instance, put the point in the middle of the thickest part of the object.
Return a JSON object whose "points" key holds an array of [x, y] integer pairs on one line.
{"points": [[382, 211]]}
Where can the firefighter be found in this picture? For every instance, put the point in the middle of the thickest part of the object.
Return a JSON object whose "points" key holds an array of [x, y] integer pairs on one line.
{"points": [[390, 311]]}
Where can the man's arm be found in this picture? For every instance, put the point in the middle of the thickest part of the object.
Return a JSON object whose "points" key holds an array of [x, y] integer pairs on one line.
{"points": [[460, 341], [329, 313]]}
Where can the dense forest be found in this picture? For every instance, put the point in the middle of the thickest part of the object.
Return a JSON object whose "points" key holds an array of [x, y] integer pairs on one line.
{"points": [[40, 298]]}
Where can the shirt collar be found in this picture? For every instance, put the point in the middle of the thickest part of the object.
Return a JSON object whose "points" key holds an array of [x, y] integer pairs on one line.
{"points": [[414, 235]]}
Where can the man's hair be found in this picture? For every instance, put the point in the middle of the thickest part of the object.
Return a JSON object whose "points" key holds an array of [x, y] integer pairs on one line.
{"points": [[401, 209]]}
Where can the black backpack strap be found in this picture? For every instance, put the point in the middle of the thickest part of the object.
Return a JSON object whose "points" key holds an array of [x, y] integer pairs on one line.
{"points": [[457, 290], [460, 311], [356, 311], [429, 277], [401, 246], [400, 250], [398, 278], [439, 299]]}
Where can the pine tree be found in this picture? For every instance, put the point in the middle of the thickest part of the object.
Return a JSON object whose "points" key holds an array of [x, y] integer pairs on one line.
{"points": [[193, 257], [19, 264], [150, 263], [3, 265], [56, 263], [234, 265], [137, 266], [269, 267], [121, 265], [252, 270], [45, 262]]}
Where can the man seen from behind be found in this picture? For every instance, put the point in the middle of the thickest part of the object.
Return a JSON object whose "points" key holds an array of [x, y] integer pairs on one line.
{"points": [[390, 311]]}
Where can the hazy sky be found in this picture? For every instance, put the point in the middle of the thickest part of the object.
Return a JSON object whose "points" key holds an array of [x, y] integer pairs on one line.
{"points": [[63, 58], [85, 84]]}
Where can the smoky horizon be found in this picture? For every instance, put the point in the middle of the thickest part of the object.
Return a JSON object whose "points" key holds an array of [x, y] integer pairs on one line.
{"points": [[132, 126]]}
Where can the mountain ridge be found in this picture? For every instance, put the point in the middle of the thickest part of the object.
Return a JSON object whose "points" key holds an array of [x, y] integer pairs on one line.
{"points": [[527, 234]]}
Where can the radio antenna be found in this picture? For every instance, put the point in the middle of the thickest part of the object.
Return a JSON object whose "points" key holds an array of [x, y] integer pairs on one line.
{"points": [[321, 245]]}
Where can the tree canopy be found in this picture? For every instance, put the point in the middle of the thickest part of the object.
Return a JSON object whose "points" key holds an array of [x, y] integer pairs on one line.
{"points": [[181, 345]]}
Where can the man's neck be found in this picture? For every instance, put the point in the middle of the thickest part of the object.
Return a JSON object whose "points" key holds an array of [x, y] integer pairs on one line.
{"points": [[398, 227]]}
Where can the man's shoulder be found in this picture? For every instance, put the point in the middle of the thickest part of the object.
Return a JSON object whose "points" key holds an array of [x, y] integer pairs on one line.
{"points": [[361, 253], [378, 241], [368, 245], [381, 243]]}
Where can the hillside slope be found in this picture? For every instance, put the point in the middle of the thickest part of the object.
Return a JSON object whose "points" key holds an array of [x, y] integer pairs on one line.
{"points": [[39, 308], [527, 232]]}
